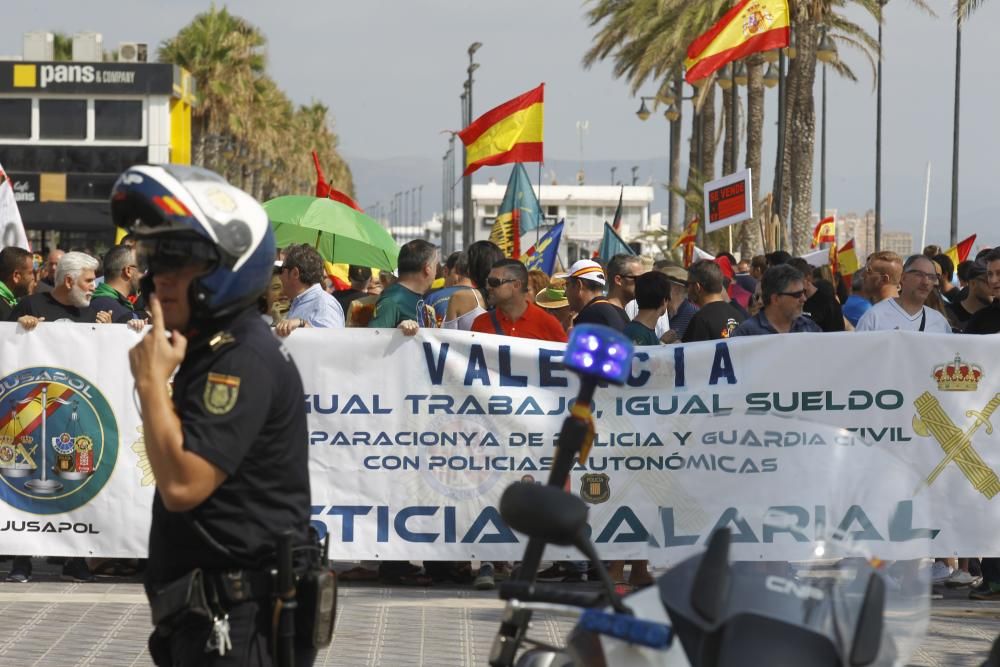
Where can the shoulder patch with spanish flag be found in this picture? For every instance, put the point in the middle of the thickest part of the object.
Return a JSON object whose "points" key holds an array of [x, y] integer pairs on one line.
{"points": [[221, 392]]}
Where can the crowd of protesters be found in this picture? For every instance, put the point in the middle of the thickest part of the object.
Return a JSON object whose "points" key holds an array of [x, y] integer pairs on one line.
{"points": [[479, 290]]}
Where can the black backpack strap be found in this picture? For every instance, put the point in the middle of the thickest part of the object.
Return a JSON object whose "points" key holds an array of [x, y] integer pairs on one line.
{"points": [[496, 322]]}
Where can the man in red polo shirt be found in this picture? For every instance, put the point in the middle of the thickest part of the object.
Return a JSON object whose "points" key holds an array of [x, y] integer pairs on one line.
{"points": [[513, 313]]}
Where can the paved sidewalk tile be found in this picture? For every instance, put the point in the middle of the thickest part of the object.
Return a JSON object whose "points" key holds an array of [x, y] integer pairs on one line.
{"points": [[105, 624]]}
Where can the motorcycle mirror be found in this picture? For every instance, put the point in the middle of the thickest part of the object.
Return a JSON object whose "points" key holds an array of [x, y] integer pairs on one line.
{"points": [[710, 589], [868, 632], [544, 512]]}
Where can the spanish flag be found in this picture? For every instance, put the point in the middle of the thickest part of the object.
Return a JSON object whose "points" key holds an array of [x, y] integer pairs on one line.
{"points": [[825, 232], [749, 27], [847, 260], [511, 132], [688, 236], [959, 253]]}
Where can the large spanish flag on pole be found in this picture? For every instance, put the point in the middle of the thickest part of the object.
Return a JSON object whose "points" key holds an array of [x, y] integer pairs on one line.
{"points": [[749, 27], [511, 132]]}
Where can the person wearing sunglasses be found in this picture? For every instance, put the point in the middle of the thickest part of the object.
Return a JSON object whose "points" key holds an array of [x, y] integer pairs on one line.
{"points": [[883, 272], [514, 313], [783, 293], [121, 281], [908, 311], [228, 441]]}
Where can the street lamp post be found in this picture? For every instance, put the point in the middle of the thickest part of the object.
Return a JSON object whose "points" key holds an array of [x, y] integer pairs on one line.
{"points": [[673, 115], [827, 53], [878, 136], [954, 138], [672, 95], [468, 230]]}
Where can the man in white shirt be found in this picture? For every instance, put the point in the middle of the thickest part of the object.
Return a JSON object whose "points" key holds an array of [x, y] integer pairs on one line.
{"points": [[907, 312]]}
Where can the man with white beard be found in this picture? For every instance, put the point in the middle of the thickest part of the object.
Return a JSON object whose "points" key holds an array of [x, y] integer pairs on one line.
{"points": [[69, 300]]}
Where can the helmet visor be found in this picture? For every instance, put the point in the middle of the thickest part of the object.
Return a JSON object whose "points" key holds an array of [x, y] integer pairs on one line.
{"points": [[164, 254]]}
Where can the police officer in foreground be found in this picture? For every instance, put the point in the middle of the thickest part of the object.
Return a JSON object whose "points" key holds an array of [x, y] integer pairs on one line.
{"points": [[228, 442]]}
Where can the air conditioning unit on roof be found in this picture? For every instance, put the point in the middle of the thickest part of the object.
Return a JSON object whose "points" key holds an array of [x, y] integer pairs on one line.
{"points": [[132, 52]]}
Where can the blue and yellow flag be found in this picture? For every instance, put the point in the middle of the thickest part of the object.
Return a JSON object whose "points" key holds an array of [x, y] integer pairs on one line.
{"points": [[543, 255], [520, 201], [612, 245]]}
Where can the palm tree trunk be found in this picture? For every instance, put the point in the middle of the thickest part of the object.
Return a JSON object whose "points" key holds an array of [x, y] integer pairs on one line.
{"points": [[803, 127], [791, 88], [708, 145], [729, 135], [750, 241]]}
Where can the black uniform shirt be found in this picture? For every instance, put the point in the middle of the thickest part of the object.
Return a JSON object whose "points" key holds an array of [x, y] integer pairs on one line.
{"points": [[713, 321], [602, 311], [984, 321], [241, 408], [45, 305]]}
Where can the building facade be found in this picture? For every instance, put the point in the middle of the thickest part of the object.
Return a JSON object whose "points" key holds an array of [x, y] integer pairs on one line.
{"points": [[900, 243], [585, 208], [69, 128]]}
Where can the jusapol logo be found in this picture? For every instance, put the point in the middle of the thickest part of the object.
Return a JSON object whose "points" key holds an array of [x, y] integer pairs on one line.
{"points": [[58, 440]]}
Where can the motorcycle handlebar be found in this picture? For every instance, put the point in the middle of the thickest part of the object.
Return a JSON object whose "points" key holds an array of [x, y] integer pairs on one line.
{"points": [[532, 592]]}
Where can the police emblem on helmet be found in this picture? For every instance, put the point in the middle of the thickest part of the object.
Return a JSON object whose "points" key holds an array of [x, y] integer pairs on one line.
{"points": [[595, 487]]}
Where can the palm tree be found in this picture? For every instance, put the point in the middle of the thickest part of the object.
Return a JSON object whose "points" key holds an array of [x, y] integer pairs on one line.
{"points": [[244, 125], [647, 39], [223, 52], [62, 46]]}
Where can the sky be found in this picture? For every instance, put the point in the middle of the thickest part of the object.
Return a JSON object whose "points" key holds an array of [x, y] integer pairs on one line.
{"points": [[391, 72]]}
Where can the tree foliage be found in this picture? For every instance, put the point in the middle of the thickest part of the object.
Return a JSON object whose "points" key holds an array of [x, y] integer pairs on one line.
{"points": [[244, 125]]}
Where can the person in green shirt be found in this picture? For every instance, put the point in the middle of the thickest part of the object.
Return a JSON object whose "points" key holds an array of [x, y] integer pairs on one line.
{"points": [[402, 303], [121, 280], [652, 295], [17, 278]]}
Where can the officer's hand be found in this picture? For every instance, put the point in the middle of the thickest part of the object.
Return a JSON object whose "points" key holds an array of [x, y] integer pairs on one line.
{"points": [[156, 357], [29, 322], [104, 317], [409, 327], [137, 325]]}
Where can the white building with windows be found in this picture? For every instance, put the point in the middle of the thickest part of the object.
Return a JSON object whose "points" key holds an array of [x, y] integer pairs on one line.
{"points": [[585, 208]]}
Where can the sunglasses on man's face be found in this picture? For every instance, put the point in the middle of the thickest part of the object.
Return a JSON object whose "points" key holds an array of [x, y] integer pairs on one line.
{"points": [[497, 282]]}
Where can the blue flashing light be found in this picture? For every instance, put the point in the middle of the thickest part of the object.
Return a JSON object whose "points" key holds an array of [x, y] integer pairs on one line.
{"points": [[627, 628], [599, 352]]}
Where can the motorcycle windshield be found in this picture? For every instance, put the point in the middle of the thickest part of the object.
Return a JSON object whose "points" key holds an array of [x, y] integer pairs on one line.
{"points": [[833, 571]]}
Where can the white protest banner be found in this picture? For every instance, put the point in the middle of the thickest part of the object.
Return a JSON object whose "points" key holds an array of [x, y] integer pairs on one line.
{"points": [[728, 200], [414, 439], [11, 227]]}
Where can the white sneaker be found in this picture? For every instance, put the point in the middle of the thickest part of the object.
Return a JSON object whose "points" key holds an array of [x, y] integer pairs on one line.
{"points": [[960, 579], [940, 573]]}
